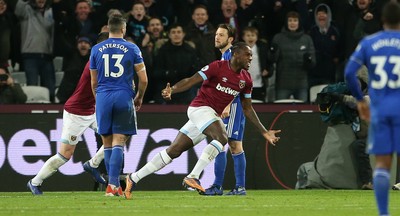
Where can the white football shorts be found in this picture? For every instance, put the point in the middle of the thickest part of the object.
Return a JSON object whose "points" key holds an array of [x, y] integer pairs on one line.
{"points": [[75, 125], [199, 119]]}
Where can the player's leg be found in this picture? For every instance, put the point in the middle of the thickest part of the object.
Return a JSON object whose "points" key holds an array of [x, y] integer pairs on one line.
{"points": [[232, 128], [107, 143], [123, 126], [235, 130], [187, 137], [73, 127], [384, 142], [91, 165], [50, 167], [104, 108], [239, 164], [206, 120], [115, 165], [216, 131], [381, 180]]}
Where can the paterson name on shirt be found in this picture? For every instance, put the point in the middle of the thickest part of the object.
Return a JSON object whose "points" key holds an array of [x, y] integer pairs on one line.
{"points": [[114, 45]]}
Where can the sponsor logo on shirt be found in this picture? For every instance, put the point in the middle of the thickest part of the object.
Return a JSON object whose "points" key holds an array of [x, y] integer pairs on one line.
{"points": [[227, 90]]}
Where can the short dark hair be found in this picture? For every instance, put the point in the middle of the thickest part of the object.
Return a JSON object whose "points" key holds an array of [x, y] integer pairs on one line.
{"points": [[236, 47], [292, 14], [229, 28], [174, 26], [200, 6], [250, 29], [391, 13], [116, 22]]}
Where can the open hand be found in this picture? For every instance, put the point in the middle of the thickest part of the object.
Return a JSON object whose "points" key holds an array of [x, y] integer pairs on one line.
{"points": [[270, 136]]}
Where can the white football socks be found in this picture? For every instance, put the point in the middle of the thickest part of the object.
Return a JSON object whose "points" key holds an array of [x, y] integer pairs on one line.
{"points": [[158, 162], [97, 158], [49, 168], [209, 153]]}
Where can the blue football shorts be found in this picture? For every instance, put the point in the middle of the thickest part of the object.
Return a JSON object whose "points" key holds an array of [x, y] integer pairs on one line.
{"points": [[236, 121], [383, 137], [115, 113]]}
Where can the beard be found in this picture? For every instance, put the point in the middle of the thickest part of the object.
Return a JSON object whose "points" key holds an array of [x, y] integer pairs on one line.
{"points": [[222, 45]]}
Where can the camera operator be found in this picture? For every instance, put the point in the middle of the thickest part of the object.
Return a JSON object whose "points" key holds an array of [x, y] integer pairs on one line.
{"points": [[10, 92], [360, 128]]}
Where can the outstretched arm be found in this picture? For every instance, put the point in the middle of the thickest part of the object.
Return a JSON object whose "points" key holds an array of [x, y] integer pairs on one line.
{"points": [[251, 115], [181, 86]]}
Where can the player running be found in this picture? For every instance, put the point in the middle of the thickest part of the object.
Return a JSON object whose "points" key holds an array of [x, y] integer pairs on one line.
{"points": [[221, 81]]}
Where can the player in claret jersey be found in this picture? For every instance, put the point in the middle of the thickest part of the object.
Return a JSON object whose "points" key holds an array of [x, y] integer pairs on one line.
{"points": [[222, 81], [79, 114]]}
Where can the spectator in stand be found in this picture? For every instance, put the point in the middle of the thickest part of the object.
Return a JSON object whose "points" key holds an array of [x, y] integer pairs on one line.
{"points": [[260, 68], [251, 13], [63, 12], [136, 23], [228, 15], [293, 52], [7, 25], [162, 9], [37, 35], [10, 92], [73, 67], [276, 11], [176, 60], [201, 32], [326, 38], [153, 40], [369, 20], [155, 36], [83, 23]]}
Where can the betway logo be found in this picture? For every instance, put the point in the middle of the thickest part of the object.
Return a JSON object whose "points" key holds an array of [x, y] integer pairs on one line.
{"points": [[227, 90]]}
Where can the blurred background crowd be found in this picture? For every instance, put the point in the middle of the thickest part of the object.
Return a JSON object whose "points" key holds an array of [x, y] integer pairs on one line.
{"points": [[297, 44]]}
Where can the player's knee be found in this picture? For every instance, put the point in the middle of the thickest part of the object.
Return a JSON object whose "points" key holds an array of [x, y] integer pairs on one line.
{"points": [[235, 146], [173, 152], [66, 154], [223, 139]]}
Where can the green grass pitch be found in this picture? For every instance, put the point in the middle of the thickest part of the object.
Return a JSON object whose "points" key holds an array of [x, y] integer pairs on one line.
{"points": [[164, 203]]}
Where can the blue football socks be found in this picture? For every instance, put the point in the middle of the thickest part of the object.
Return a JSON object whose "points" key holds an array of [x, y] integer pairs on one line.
{"points": [[381, 188], [219, 168], [107, 155], [239, 163], [115, 164]]}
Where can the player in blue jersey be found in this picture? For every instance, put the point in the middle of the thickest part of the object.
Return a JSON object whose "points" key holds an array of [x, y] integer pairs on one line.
{"points": [[113, 64], [234, 120], [381, 54]]}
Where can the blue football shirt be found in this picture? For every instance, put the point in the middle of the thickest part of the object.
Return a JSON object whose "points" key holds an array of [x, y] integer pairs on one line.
{"points": [[380, 52], [114, 60]]}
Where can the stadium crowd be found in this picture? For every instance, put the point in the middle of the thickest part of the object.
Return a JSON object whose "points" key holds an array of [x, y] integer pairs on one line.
{"points": [[296, 43]]}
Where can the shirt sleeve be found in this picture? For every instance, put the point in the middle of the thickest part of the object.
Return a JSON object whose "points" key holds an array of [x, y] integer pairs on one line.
{"points": [[209, 71], [138, 58], [92, 61], [248, 87]]}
